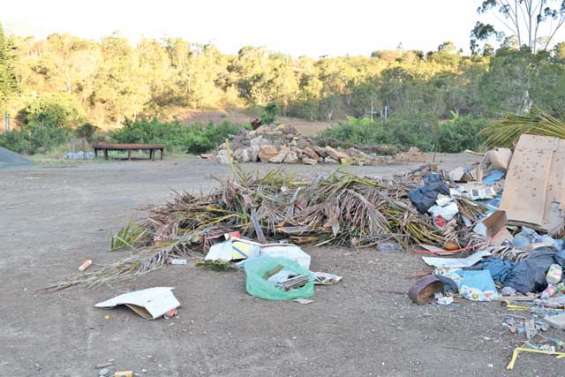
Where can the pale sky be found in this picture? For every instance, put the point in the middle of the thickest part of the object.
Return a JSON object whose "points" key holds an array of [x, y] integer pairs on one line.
{"points": [[297, 27]]}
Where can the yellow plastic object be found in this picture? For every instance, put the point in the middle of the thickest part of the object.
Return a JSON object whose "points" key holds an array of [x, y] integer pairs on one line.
{"points": [[517, 308], [518, 350]]}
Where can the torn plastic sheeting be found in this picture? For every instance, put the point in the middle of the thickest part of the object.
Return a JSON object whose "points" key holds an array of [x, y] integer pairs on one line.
{"points": [[448, 212], [150, 303], [456, 262], [477, 285], [528, 275], [493, 177], [258, 270], [474, 285], [424, 197], [499, 269]]}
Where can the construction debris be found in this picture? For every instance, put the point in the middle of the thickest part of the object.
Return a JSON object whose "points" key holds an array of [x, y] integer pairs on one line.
{"points": [[284, 144]]}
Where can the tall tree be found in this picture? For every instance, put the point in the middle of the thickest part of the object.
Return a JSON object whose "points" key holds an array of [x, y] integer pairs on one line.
{"points": [[534, 23], [7, 76]]}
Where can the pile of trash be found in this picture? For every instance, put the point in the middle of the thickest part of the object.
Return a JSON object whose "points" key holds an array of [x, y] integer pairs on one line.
{"points": [[284, 144], [523, 255]]}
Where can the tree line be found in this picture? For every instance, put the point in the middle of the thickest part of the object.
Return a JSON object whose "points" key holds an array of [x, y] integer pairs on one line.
{"points": [[105, 82]]}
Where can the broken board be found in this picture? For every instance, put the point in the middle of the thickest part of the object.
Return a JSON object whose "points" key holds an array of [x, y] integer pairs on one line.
{"points": [[534, 191]]}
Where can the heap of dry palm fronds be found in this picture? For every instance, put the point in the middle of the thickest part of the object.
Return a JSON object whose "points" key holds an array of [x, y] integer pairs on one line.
{"points": [[340, 209], [507, 131]]}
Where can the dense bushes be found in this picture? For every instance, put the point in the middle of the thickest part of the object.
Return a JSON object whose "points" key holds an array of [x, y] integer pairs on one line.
{"points": [[421, 130], [45, 123], [47, 127], [195, 138], [461, 133]]}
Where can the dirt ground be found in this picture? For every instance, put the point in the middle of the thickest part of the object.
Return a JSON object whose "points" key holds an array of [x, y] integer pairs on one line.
{"points": [[53, 218]]}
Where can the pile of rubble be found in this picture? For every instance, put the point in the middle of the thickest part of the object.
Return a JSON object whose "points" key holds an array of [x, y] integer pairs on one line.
{"points": [[284, 144], [521, 257]]}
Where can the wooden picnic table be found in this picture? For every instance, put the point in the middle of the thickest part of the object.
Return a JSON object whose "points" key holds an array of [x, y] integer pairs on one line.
{"points": [[105, 147]]}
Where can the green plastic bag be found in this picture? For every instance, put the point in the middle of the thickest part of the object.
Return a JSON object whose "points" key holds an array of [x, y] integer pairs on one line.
{"points": [[258, 269]]}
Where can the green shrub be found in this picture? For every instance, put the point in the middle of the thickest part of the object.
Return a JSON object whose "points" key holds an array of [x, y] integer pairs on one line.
{"points": [[461, 133], [87, 131], [270, 113], [422, 130], [57, 109], [195, 138]]}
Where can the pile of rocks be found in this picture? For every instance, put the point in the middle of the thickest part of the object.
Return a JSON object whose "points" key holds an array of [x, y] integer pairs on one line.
{"points": [[283, 144]]}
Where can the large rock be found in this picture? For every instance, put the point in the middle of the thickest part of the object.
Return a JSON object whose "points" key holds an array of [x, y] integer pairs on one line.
{"points": [[309, 161], [291, 157], [337, 155], [329, 160], [258, 141], [223, 157], [266, 152], [321, 151], [254, 153], [279, 158], [242, 155], [310, 153]]}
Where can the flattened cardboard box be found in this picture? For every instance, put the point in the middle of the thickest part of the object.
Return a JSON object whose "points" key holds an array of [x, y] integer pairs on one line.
{"points": [[534, 191]]}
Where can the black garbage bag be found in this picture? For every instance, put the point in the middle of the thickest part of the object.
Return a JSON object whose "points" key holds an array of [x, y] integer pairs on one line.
{"points": [[528, 275], [424, 197]]}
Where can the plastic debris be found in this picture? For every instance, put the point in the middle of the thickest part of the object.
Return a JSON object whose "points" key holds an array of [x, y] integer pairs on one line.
{"points": [[124, 373], [554, 274], [303, 301], [388, 247], [447, 212], [557, 321], [528, 275], [265, 277], [324, 278], [456, 262], [518, 350], [425, 197], [177, 261], [477, 285], [85, 265]]}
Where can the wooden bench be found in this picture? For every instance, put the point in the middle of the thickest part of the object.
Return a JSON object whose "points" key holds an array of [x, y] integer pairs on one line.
{"points": [[105, 147]]}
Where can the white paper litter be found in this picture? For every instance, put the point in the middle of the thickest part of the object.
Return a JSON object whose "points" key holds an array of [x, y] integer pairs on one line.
{"points": [[149, 303], [456, 262]]}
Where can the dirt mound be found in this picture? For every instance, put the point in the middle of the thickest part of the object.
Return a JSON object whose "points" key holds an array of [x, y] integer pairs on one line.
{"points": [[9, 158]]}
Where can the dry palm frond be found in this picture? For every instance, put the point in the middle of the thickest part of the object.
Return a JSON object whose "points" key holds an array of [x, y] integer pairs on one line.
{"points": [[507, 131], [341, 209], [130, 235]]}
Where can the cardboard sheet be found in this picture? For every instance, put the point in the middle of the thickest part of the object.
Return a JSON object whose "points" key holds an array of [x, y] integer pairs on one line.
{"points": [[149, 303], [534, 191]]}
